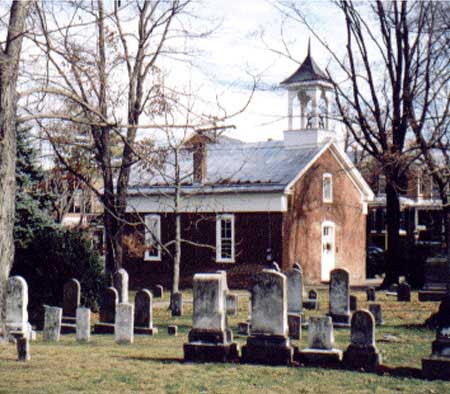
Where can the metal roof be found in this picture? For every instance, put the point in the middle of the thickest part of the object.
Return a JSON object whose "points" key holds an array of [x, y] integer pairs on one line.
{"points": [[261, 166]]}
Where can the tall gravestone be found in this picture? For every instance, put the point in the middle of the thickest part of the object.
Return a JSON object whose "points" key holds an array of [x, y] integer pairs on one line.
{"points": [[353, 303], [176, 300], [120, 280], [143, 313], [436, 277], [340, 297], [16, 307], [320, 350], [71, 301], [210, 339], [124, 323], [362, 352], [437, 366], [268, 342], [371, 294], [83, 324], [52, 323], [404, 292], [295, 301], [23, 349], [108, 304]]}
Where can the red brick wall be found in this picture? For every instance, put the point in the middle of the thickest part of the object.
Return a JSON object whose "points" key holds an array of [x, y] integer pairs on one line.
{"points": [[302, 224], [254, 233]]}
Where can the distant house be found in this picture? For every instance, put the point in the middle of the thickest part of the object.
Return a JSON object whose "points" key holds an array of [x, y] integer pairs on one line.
{"points": [[244, 204]]}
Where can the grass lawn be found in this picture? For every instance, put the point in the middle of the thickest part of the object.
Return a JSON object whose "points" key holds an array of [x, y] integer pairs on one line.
{"points": [[154, 364]]}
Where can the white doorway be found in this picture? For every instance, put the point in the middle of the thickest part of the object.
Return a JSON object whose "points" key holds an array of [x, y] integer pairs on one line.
{"points": [[328, 249]]}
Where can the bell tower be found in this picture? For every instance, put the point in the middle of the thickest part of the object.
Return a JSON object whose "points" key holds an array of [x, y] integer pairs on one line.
{"points": [[309, 94]]}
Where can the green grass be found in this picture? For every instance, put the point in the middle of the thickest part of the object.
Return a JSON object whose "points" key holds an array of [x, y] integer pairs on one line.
{"points": [[154, 364]]}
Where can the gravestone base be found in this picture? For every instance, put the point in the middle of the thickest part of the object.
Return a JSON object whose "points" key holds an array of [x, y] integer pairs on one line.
{"points": [[295, 326], [104, 328], [432, 295], [267, 350], [320, 357], [436, 367], [311, 304], [340, 321], [68, 325], [146, 330], [210, 336], [362, 357], [211, 352]]}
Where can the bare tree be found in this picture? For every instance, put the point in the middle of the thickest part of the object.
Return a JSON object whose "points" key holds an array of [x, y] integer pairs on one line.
{"points": [[388, 71], [9, 64], [110, 87]]}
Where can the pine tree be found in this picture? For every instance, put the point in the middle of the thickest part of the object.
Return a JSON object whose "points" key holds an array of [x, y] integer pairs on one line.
{"points": [[32, 204]]}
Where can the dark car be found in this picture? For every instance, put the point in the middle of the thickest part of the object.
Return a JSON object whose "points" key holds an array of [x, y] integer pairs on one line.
{"points": [[375, 261]]}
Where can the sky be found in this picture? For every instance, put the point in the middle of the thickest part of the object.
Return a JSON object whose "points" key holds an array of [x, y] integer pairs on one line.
{"points": [[240, 47]]}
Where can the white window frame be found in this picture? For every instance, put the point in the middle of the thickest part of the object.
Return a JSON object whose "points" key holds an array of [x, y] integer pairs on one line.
{"points": [[147, 221], [327, 177], [219, 258]]}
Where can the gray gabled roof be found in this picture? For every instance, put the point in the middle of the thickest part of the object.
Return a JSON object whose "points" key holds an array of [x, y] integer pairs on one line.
{"points": [[258, 166]]}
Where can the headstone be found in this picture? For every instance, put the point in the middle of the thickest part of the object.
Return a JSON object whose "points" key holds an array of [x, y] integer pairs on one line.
{"points": [[123, 328], [172, 330], [375, 310], [295, 326], [108, 304], [295, 291], [120, 280], [404, 292], [158, 291], [16, 307], [340, 297], [313, 300], [371, 294], [71, 301], [353, 303], [143, 313], [83, 324], [436, 277], [320, 350], [23, 349], [232, 304], [362, 352], [268, 342], [71, 297], [244, 328], [176, 300], [437, 366], [210, 339], [52, 323]]}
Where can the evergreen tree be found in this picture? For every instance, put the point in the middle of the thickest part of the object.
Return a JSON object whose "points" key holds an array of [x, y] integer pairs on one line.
{"points": [[32, 203]]}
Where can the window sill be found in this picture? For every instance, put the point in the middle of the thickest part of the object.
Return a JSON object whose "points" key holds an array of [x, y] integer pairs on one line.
{"points": [[223, 261]]}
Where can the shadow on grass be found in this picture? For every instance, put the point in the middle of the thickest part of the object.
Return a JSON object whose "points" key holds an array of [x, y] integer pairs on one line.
{"points": [[400, 372], [164, 360]]}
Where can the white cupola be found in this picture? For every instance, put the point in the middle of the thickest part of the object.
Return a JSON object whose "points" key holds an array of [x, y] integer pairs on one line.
{"points": [[309, 95]]}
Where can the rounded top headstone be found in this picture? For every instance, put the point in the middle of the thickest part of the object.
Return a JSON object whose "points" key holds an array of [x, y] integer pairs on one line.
{"points": [[297, 266], [274, 266], [363, 328]]}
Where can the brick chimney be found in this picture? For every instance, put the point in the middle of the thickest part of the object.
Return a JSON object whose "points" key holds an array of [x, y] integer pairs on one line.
{"points": [[200, 158]]}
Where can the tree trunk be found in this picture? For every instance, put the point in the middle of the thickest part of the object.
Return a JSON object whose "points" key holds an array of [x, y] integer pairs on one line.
{"points": [[9, 64], [393, 262], [177, 257]]}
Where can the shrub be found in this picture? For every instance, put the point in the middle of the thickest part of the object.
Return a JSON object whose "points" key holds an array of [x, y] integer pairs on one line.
{"points": [[50, 259]]}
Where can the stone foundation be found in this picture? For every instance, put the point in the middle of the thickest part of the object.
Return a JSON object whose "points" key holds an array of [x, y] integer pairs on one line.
{"points": [[267, 350], [362, 357], [319, 357]]}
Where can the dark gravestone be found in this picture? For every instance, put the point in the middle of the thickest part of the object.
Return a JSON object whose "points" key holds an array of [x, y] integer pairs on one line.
{"points": [[71, 297], [232, 304], [353, 303], [371, 294], [436, 277], [176, 301], [438, 364], [340, 297], [404, 292], [108, 304], [295, 326], [172, 330], [23, 349], [313, 300], [375, 310], [143, 313], [362, 352], [244, 328], [158, 291]]}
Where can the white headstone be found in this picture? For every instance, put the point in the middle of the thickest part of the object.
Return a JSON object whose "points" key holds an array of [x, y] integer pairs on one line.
{"points": [[83, 318], [16, 305], [121, 284], [124, 324], [52, 323], [320, 333], [295, 291], [209, 302], [269, 304]]}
